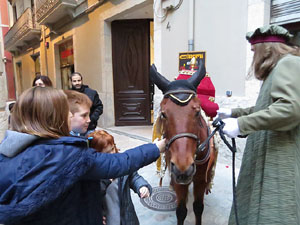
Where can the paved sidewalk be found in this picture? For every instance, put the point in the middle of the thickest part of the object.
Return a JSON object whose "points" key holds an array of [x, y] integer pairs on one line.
{"points": [[217, 204]]}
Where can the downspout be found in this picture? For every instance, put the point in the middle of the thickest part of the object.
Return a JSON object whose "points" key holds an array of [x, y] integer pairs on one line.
{"points": [[191, 25], [45, 49]]}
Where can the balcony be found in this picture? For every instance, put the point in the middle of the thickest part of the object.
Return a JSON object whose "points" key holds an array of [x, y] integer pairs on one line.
{"points": [[24, 33], [50, 12]]}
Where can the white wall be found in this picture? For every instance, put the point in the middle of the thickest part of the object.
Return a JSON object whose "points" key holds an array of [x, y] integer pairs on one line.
{"points": [[220, 28]]}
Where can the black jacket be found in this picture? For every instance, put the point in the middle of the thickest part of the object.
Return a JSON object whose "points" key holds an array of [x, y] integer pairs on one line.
{"points": [[97, 106]]}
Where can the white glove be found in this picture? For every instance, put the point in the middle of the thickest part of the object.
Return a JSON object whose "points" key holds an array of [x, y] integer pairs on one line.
{"points": [[224, 113], [231, 128]]}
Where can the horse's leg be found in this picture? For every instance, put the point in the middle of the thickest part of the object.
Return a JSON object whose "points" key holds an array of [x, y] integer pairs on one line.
{"points": [[181, 210], [198, 205]]}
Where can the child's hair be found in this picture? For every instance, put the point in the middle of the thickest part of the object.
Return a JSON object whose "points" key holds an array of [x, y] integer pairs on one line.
{"points": [[41, 111], [10, 106], [100, 140], [46, 80], [76, 99]]}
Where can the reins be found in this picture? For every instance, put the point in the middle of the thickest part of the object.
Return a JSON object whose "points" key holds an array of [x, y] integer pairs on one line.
{"points": [[219, 125]]}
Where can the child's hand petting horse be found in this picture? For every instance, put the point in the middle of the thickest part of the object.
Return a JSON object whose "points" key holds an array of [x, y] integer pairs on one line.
{"points": [[161, 144], [144, 192]]}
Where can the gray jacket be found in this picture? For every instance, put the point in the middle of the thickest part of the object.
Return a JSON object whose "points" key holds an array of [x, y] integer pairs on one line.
{"points": [[127, 212]]}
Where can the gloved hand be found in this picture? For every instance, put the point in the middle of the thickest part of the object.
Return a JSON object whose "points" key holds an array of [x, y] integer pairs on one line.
{"points": [[231, 128], [224, 113]]}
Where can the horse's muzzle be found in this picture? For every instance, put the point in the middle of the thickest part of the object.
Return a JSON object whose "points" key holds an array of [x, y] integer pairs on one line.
{"points": [[184, 177]]}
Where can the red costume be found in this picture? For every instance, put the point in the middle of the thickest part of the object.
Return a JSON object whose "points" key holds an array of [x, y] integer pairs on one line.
{"points": [[205, 92]]}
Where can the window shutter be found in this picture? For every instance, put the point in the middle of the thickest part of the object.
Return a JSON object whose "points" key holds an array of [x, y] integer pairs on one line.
{"points": [[285, 11]]}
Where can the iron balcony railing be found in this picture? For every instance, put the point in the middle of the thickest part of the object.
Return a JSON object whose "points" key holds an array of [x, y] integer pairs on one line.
{"points": [[49, 9], [24, 29]]}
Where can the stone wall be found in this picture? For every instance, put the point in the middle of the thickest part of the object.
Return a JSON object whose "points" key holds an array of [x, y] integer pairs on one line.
{"points": [[3, 98]]}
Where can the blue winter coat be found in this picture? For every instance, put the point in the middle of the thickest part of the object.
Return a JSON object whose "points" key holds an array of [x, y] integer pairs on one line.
{"points": [[56, 181]]}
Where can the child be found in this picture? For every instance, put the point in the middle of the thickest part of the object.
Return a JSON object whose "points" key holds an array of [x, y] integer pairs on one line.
{"points": [[79, 105], [48, 177], [10, 108], [118, 206], [42, 81]]}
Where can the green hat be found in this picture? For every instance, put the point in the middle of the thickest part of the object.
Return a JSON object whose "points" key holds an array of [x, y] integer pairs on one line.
{"points": [[269, 33]]}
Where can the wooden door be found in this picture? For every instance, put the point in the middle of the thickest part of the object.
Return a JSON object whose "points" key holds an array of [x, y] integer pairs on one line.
{"points": [[131, 63]]}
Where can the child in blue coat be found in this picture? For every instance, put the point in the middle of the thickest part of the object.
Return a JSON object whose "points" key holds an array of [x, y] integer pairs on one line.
{"points": [[48, 177]]}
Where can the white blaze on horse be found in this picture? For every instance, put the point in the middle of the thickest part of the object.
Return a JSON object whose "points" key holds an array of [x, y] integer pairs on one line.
{"points": [[185, 129]]}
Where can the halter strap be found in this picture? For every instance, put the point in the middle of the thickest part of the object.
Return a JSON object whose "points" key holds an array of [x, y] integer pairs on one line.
{"points": [[180, 136]]}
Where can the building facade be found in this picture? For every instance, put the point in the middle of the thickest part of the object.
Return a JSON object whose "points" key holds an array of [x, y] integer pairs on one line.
{"points": [[7, 91], [113, 42]]}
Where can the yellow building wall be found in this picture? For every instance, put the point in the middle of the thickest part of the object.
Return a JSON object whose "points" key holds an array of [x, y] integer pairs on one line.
{"points": [[91, 34], [27, 71]]}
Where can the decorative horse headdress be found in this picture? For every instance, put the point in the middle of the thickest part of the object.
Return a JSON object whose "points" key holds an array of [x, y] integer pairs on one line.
{"points": [[179, 91]]}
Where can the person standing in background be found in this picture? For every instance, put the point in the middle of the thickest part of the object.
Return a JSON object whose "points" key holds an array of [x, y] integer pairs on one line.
{"points": [[42, 81]]}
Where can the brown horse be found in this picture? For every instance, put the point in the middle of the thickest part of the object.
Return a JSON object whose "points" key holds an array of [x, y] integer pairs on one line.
{"points": [[185, 129]]}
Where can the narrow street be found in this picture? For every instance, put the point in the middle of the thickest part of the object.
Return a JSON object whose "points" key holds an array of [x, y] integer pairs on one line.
{"points": [[217, 203]]}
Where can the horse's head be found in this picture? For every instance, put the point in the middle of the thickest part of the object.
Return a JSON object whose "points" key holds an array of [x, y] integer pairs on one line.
{"points": [[180, 116]]}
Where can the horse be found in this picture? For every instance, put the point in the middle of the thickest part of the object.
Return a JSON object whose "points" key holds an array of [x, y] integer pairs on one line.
{"points": [[185, 129]]}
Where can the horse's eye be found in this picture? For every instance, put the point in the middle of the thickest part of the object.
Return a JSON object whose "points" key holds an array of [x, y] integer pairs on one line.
{"points": [[163, 115], [198, 113]]}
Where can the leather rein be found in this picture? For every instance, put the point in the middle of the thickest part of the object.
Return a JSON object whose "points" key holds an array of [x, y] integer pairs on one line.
{"points": [[200, 147]]}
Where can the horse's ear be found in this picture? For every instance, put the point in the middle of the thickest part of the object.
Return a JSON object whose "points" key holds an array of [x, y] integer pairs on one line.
{"points": [[198, 76], [158, 79]]}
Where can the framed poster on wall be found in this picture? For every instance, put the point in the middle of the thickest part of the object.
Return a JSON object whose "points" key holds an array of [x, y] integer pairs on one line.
{"points": [[186, 57]]}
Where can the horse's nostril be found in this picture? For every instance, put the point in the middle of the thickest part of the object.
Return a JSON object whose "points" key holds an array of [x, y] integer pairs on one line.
{"points": [[173, 167], [191, 170]]}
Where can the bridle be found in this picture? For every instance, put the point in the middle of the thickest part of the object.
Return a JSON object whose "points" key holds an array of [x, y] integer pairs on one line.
{"points": [[200, 147]]}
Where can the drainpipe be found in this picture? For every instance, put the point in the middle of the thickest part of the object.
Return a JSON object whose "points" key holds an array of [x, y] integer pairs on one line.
{"points": [[45, 49], [191, 25]]}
